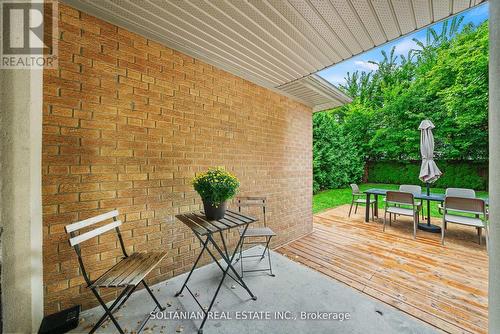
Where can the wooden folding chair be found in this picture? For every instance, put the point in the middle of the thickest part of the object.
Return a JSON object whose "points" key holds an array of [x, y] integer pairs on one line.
{"points": [[128, 273]]}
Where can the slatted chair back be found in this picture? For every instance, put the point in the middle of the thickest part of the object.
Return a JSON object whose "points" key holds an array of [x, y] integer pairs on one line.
{"points": [[252, 201], [400, 197], [468, 205], [76, 239], [460, 192], [410, 188], [355, 189]]}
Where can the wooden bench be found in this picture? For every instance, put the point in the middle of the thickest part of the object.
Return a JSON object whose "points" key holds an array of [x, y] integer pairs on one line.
{"points": [[128, 273]]}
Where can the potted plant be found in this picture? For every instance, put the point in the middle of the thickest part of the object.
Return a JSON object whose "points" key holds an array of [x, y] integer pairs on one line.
{"points": [[215, 186]]}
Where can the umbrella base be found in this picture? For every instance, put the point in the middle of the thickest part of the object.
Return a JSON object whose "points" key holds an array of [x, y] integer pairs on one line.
{"points": [[429, 228]]}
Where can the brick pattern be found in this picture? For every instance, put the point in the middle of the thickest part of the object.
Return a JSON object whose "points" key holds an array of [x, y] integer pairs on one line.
{"points": [[128, 122]]}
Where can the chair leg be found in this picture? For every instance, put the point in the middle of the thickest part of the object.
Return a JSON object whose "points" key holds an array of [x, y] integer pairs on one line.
{"points": [[241, 257], [350, 209], [390, 218], [479, 234], [269, 257], [442, 232], [356, 210], [415, 219], [385, 219], [162, 308], [107, 311], [486, 235]]}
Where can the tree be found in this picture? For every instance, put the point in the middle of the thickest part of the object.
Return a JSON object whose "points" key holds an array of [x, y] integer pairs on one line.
{"points": [[445, 80], [336, 161]]}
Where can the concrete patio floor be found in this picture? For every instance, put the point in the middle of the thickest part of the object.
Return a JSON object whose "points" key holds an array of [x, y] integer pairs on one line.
{"points": [[295, 289]]}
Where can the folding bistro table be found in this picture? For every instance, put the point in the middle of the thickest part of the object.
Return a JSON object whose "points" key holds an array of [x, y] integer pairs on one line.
{"points": [[205, 230]]}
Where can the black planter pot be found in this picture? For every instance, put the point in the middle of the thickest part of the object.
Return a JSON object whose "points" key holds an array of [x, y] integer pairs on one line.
{"points": [[212, 212]]}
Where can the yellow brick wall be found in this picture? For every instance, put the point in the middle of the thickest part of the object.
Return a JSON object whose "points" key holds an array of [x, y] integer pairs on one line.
{"points": [[128, 122]]}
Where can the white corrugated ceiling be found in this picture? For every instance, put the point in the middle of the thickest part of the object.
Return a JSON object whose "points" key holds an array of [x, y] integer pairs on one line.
{"points": [[275, 43]]}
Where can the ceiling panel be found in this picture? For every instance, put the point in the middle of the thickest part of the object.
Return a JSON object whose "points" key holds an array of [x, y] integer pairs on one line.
{"points": [[423, 12], [441, 8], [316, 21], [277, 44], [460, 5], [370, 20], [254, 34], [331, 18], [387, 18], [297, 27], [348, 15], [406, 16]]}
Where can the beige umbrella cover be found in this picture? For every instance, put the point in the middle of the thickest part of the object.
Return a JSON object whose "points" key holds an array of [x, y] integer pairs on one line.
{"points": [[429, 171]]}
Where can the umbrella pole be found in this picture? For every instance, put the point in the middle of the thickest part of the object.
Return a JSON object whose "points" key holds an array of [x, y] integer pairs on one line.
{"points": [[429, 227], [428, 186]]}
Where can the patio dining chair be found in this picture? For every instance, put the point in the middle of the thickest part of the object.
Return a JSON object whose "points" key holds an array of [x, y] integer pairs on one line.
{"points": [[415, 190], [359, 197], [127, 273], [456, 192], [465, 211], [255, 235], [403, 204]]}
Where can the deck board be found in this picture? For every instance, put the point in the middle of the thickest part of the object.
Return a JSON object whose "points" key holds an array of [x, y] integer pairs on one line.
{"points": [[445, 286]]}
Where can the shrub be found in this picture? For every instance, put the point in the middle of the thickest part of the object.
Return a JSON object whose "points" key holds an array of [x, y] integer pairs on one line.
{"points": [[457, 174]]}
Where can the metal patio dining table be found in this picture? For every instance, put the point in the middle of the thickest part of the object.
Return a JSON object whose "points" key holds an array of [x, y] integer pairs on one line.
{"points": [[382, 192], [205, 230]]}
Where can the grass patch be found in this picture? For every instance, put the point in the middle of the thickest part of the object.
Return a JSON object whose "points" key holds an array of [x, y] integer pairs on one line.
{"points": [[336, 197]]}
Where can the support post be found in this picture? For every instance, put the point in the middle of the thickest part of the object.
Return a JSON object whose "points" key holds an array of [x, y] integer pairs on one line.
{"points": [[21, 200], [494, 171]]}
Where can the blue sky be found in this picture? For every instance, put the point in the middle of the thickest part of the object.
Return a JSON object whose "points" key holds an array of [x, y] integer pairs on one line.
{"points": [[336, 73]]}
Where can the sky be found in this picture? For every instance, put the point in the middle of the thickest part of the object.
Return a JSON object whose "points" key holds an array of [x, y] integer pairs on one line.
{"points": [[336, 73]]}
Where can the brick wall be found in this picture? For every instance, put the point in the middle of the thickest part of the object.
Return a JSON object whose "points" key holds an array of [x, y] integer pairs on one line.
{"points": [[128, 122]]}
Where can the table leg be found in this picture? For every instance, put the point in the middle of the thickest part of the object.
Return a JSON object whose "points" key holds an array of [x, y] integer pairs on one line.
{"points": [[367, 210], [376, 205], [205, 243], [207, 312], [228, 258], [216, 261], [229, 262]]}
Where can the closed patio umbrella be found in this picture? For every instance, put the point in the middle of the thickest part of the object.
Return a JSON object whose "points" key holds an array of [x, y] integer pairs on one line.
{"points": [[429, 171]]}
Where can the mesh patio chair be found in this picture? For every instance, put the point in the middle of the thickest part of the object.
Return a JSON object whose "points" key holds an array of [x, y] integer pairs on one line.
{"points": [[457, 192], [403, 204], [126, 274], [256, 235], [359, 197], [415, 190], [465, 211]]}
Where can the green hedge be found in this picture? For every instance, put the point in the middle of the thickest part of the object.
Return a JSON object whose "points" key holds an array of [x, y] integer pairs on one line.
{"points": [[459, 174]]}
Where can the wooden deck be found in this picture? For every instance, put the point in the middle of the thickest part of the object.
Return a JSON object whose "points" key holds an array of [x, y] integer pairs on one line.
{"points": [[446, 287]]}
